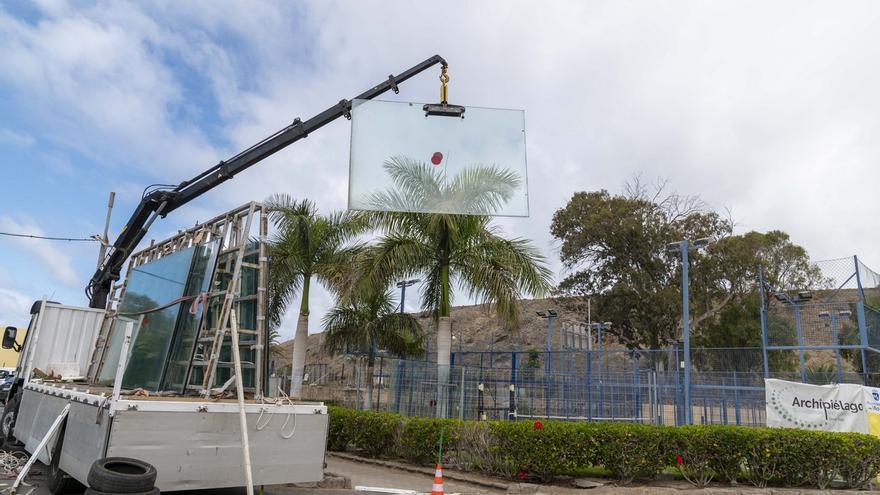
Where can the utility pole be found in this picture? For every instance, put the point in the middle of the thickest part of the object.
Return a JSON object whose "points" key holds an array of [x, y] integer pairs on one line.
{"points": [[105, 241], [683, 247], [403, 284]]}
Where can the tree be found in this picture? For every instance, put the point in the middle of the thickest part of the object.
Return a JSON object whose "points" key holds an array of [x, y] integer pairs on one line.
{"points": [[306, 245], [615, 247], [448, 251], [370, 322]]}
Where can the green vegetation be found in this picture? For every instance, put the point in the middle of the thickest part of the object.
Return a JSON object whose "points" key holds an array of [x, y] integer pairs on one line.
{"points": [[615, 249], [370, 321], [627, 452], [453, 251], [306, 245]]}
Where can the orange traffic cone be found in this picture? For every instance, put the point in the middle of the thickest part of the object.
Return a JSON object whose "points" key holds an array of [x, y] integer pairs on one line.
{"points": [[437, 489]]}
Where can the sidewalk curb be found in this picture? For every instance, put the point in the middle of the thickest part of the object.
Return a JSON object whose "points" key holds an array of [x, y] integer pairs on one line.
{"points": [[450, 474]]}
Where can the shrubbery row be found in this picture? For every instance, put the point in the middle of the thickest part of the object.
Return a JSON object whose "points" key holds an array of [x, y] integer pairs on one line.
{"points": [[542, 450]]}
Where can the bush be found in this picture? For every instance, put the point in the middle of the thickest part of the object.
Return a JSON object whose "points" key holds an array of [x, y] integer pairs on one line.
{"points": [[861, 458], [632, 451], [419, 439], [542, 450]]}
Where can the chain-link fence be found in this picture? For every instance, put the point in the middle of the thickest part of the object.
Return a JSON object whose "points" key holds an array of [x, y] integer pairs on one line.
{"points": [[826, 330]]}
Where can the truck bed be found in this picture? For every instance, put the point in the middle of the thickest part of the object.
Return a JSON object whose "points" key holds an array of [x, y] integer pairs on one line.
{"points": [[193, 443]]}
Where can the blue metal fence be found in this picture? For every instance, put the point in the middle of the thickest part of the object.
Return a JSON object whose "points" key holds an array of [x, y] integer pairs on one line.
{"points": [[835, 323]]}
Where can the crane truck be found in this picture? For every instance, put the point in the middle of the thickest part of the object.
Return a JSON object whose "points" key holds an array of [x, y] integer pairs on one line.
{"points": [[145, 370]]}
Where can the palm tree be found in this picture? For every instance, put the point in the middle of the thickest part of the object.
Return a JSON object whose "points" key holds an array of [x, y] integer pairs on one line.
{"points": [[306, 245], [370, 321], [449, 251]]}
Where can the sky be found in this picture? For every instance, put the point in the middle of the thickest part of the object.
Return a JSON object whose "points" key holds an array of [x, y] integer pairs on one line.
{"points": [[768, 109]]}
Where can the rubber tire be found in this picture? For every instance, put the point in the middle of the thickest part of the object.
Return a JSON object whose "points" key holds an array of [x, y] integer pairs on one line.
{"points": [[59, 482], [106, 480], [153, 491], [9, 414]]}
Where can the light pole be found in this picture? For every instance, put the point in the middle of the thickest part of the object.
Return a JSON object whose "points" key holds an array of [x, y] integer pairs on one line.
{"points": [[403, 284], [549, 315], [600, 327], [795, 303], [834, 316], [684, 247]]}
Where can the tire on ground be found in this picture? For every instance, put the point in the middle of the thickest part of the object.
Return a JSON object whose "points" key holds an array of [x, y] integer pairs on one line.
{"points": [[122, 475], [60, 483]]}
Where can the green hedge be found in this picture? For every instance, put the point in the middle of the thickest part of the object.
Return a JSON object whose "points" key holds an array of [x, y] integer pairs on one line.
{"points": [[543, 450]]}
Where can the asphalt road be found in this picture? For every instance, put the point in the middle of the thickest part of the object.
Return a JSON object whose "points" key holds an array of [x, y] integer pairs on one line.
{"points": [[361, 475]]}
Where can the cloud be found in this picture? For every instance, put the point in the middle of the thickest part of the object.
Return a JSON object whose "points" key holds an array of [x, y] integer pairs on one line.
{"points": [[16, 139], [59, 263], [14, 307], [768, 109]]}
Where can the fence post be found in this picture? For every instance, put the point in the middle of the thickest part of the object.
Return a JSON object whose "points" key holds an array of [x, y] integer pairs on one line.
{"points": [[381, 381], [635, 378], [589, 385], [800, 342], [481, 413], [736, 399], [398, 387], [679, 411], [511, 413], [860, 315]]}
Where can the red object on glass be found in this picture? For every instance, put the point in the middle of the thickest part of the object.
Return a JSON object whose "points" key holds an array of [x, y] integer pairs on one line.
{"points": [[679, 459], [436, 158], [538, 425]]}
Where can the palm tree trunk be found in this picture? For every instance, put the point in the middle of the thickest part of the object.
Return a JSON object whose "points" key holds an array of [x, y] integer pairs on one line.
{"points": [[444, 343], [444, 347], [300, 343]]}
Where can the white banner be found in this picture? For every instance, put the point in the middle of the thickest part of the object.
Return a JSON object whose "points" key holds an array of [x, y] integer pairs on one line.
{"points": [[816, 407]]}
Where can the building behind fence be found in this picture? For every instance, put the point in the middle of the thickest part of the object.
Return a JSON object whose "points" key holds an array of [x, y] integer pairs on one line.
{"points": [[829, 333]]}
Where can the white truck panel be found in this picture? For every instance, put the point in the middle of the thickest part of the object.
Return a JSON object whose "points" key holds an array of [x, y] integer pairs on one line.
{"points": [[193, 444], [63, 340]]}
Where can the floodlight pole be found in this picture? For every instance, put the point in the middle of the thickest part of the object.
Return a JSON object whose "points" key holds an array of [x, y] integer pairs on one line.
{"points": [[403, 284], [686, 329], [764, 342], [549, 315]]}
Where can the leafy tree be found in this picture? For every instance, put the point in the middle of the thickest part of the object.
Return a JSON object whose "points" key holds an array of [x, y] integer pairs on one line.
{"points": [[448, 251], [306, 245], [370, 322], [615, 248]]}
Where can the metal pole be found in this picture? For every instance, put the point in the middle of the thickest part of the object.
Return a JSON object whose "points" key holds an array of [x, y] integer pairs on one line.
{"points": [[800, 342], [512, 406], [399, 386], [548, 366], [860, 316], [589, 385], [589, 324], [461, 394], [686, 330], [834, 316], [105, 241], [763, 322]]}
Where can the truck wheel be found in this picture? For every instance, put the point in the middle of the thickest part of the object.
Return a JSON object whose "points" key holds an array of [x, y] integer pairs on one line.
{"points": [[122, 475], [59, 481], [7, 421]]}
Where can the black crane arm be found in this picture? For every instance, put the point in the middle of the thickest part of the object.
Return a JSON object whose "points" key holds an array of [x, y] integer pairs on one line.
{"points": [[159, 203]]}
